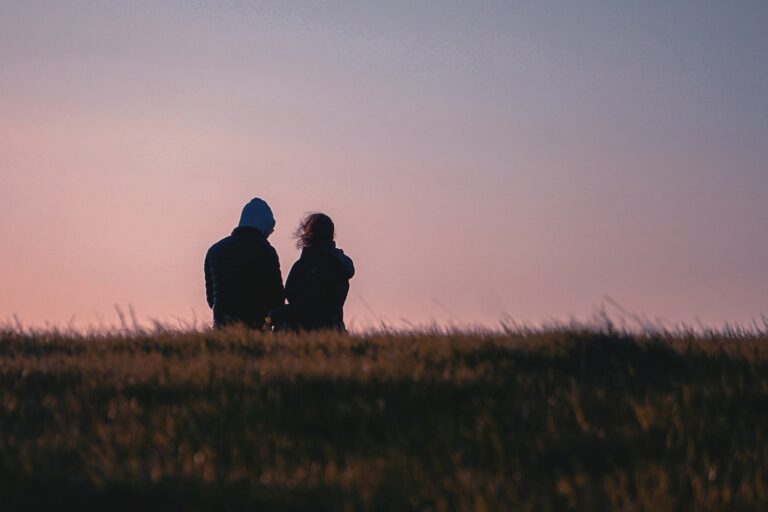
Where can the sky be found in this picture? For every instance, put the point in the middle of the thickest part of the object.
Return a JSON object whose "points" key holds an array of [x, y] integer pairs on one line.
{"points": [[482, 160]]}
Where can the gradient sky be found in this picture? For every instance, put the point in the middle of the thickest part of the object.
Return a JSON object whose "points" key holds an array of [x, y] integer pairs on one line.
{"points": [[478, 158]]}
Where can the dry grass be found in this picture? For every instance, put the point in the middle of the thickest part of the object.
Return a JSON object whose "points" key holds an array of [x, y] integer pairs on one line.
{"points": [[562, 419]]}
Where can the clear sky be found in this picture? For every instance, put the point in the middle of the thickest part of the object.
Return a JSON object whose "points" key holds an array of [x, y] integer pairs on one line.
{"points": [[479, 158]]}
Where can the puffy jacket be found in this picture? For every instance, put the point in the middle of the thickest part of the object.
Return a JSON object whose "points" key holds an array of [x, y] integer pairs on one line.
{"points": [[242, 278], [317, 288]]}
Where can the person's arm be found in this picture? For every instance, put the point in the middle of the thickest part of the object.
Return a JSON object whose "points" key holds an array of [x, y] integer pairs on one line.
{"points": [[347, 265], [208, 282], [275, 290], [284, 314], [294, 285]]}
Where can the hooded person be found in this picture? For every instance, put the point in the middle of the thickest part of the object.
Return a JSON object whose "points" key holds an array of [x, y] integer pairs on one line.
{"points": [[242, 271]]}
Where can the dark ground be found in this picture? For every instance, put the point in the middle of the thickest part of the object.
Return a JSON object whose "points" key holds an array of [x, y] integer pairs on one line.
{"points": [[558, 420]]}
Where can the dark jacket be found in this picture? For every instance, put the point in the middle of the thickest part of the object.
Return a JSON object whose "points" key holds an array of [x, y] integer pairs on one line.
{"points": [[242, 278], [317, 288]]}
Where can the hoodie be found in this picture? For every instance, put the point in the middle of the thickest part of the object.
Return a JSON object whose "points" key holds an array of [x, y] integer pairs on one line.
{"points": [[242, 272], [257, 214]]}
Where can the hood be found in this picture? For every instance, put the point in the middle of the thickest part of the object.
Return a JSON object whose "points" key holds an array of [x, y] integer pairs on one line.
{"points": [[257, 214]]}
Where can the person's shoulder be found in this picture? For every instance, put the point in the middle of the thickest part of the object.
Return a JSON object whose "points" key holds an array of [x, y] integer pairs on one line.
{"points": [[272, 251], [221, 244], [299, 264]]}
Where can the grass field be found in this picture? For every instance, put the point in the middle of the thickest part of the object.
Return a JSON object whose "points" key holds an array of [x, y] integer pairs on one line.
{"points": [[561, 419]]}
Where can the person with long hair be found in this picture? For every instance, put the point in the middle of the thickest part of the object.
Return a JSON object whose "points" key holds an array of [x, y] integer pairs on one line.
{"points": [[318, 283]]}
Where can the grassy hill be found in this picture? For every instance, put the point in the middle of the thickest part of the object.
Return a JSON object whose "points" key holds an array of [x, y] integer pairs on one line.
{"points": [[565, 419]]}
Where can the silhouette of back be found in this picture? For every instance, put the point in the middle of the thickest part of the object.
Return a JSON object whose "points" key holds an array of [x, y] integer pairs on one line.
{"points": [[242, 271], [318, 283], [317, 287]]}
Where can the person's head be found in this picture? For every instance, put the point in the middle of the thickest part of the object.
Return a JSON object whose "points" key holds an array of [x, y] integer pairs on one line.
{"points": [[257, 214], [314, 229]]}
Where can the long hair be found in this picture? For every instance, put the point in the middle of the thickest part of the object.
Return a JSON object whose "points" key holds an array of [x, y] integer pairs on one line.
{"points": [[314, 229]]}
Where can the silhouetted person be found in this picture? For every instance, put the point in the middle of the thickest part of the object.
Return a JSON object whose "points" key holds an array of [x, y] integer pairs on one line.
{"points": [[318, 283], [242, 271]]}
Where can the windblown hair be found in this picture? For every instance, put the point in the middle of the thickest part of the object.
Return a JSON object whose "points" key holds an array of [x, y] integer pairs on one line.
{"points": [[314, 229]]}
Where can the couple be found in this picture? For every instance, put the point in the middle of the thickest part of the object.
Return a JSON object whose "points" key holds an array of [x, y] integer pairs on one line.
{"points": [[243, 283]]}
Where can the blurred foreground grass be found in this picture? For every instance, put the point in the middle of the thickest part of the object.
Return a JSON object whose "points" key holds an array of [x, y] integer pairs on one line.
{"points": [[566, 419]]}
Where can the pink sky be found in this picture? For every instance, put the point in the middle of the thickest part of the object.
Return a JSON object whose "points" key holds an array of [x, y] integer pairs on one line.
{"points": [[523, 161]]}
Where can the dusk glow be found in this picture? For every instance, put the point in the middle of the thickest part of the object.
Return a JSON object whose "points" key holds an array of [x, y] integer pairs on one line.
{"points": [[479, 159]]}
